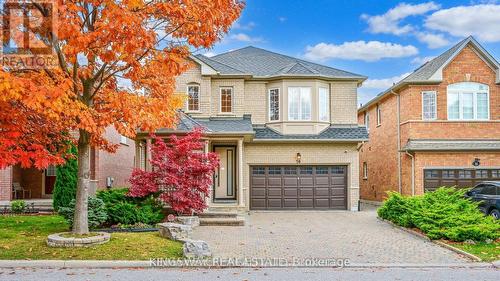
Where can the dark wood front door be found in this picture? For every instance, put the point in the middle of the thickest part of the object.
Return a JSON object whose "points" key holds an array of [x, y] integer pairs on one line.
{"points": [[50, 180], [298, 187]]}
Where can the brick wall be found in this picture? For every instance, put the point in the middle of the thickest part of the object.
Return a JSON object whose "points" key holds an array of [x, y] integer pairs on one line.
{"points": [[5, 183], [118, 165], [380, 150], [312, 154]]}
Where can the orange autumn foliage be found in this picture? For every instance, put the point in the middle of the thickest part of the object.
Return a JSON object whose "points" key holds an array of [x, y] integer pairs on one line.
{"points": [[116, 63]]}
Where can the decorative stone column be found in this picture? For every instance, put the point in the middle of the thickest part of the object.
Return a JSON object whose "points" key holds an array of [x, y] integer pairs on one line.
{"points": [[241, 201]]}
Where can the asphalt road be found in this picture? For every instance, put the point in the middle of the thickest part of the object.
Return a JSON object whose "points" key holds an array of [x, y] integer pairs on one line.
{"points": [[261, 274]]}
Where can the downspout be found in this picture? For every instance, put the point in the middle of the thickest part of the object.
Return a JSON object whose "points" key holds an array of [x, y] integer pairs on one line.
{"points": [[398, 118], [412, 173]]}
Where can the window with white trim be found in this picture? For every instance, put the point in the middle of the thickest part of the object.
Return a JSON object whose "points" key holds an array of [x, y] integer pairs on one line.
{"points": [[193, 102], [379, 115], [367, 121], [299, 103], [274, 104], [429, 105], [226, 100], [468, 101], [123, 139], [324, 104]]}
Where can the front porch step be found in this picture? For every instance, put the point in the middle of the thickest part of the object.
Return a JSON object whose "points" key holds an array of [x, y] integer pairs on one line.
{"points": [[222, 221], [218, 214]]}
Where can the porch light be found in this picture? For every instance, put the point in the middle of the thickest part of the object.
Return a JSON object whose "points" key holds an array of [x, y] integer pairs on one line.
{"points": [[298, 157]]}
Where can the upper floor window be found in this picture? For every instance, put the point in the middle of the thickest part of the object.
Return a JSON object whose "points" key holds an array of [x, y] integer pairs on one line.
{"points": [[299, 103], [226, 100], [429, 108], [468, 101], [324, 104], [193, 102], [367, 121], [379, 115], [274, 104], [123, 139]]}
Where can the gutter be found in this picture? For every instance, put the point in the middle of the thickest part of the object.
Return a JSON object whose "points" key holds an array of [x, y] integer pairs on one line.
{"points": [[412, 172], [398, 117], [311, 140]]}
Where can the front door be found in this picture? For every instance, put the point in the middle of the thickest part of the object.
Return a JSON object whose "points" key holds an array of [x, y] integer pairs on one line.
{"points": [[224, 178]]}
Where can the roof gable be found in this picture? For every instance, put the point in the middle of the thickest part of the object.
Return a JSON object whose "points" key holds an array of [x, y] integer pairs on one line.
{"points": [[261, 63]]}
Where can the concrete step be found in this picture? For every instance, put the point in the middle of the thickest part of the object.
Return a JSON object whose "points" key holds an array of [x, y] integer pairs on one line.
{"points": [[219, 214], [237, 221]]}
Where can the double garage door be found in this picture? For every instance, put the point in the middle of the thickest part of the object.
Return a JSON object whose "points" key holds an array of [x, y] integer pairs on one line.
{"points": [[435, 178], [298, 187]]}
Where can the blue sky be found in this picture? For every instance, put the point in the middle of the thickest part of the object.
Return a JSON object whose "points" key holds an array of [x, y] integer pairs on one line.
{"points": [[383, 40]]}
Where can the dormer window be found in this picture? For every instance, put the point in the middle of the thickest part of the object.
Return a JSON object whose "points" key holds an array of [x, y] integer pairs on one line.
{"points": [[299, 103], [274, 104], [193, 102]]}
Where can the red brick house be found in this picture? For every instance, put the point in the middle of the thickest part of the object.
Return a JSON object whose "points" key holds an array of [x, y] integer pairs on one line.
{"points": [[39, 184], [439, 126]]}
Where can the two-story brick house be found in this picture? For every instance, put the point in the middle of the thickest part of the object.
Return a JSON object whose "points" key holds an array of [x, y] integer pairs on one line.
{"points": [[285, 130], [439, 126]]}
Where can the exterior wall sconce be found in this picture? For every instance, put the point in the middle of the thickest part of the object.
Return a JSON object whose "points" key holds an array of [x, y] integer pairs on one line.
{"points": [[298, 157]]}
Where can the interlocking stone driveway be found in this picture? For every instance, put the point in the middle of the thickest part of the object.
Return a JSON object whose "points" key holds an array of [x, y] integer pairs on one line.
{"points": [[358, 236]]}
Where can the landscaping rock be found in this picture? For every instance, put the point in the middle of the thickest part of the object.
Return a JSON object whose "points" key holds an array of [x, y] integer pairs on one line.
{"points": [[193, 221], [175, 231], [196, 249], [488, 241], [470, 241]]}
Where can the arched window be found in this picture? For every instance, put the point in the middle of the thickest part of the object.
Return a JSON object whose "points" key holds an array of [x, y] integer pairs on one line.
{"points": [[468, 101]]}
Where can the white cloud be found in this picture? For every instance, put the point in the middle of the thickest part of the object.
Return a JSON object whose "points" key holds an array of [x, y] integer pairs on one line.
{"points": [[209, 54], [390, 21], [359, 50], [482, 21], [432, 40], [383, 83], [245, 38], [421, 60], [282, 19], [247, 26]]}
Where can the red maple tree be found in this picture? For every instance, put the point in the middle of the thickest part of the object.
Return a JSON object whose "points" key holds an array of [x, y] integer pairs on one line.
{"points": [[181, 173]]}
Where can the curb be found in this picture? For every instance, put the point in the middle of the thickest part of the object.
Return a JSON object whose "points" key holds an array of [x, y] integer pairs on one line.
{"points": [[437, 242], [61, 264]]}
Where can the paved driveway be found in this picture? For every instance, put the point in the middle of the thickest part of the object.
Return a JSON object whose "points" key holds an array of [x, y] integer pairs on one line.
{"points": [[359, 236]]}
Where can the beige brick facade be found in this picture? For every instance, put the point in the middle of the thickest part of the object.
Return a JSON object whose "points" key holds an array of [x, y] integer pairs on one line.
{"points": [[380, 152]]}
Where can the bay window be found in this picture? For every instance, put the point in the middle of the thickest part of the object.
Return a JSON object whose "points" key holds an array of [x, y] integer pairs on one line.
{"points": [[324, 104], [468, 101], [299, 103], [274, 104]]}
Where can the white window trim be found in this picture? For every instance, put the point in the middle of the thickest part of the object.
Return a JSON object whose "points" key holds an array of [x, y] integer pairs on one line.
{"points": [[327, 105], [367, 121], [378, 112], [365, 170], [187, 101], [300, 107], [123, 139], [269, 104], [435, 104], [220, 100], [474, 104]]}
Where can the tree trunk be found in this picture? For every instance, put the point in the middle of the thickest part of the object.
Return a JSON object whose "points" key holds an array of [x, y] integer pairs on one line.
{"points": [[80, 222]]}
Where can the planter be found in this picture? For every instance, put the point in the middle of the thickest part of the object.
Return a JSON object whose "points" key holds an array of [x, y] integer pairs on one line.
{"points": [[57, 240]]}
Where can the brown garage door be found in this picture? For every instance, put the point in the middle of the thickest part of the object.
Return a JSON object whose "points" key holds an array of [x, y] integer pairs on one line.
{"points": [[298, 187], [434, 178]]}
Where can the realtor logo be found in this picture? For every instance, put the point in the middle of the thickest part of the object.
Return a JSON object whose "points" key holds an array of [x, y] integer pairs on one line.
{"points": [[28, 27]]}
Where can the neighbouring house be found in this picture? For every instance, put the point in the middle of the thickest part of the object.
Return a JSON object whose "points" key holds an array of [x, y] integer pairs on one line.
{"points": [[439, 126], [285, 130], [32, 183]]}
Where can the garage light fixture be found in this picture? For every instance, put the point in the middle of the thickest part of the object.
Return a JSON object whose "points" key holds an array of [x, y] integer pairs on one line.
{"points": [[298, 157]]}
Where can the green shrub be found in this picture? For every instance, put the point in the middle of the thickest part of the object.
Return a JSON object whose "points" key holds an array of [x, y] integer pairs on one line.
{"points": [[66, 182], [444, 213], [122, 209], [18, 206], [96, 212]]}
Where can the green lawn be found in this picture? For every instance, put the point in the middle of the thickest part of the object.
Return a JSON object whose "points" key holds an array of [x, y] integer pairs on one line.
{"points": [[24, 237], [487, 252]]}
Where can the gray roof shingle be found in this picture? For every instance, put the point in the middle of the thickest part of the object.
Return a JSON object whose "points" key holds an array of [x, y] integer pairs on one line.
{"points": [[186, 123], [357, 133], [262, 63], [455, 145]]}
